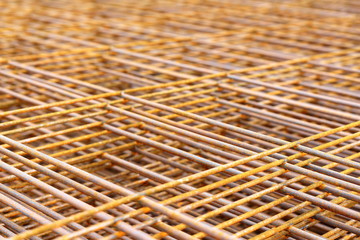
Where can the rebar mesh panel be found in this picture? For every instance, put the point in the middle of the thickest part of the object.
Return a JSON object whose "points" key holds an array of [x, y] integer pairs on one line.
{"points": [[173, 145], [179, 120]]}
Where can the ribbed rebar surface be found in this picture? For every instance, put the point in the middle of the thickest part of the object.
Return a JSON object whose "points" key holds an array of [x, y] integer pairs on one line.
{"points": [[191, 119]]}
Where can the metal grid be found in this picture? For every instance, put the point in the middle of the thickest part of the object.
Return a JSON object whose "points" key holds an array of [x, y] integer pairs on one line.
{"points": [[83, 29], [297, 88], [82, 72], [14, 42], [179, 120], [112, 22], [179, 163], [243, 123], [216, 101], [252, 46]]}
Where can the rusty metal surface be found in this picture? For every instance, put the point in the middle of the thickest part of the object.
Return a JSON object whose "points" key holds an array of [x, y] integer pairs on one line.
{"points": [[179, 119]]}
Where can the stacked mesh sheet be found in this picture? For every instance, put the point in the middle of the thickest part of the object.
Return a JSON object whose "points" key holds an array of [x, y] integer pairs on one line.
{"points": [[180, 119]]}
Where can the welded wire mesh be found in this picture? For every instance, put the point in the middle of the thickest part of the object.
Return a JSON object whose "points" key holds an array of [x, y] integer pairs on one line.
{"points": [[324, 79], [73, 23], [192, 101], [175, 152], [247, 48], [179, 119]]}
